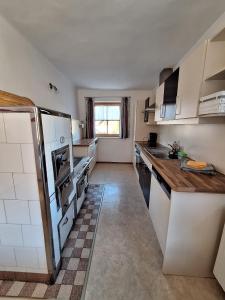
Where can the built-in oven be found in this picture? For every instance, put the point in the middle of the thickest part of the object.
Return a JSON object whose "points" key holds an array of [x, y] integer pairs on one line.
{"points": [[144, 174], [82, 183], [61, 163], [63, 191]]}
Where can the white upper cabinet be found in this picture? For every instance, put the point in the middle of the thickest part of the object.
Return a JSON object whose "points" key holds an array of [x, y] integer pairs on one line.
{"points": [[190, 83], [215, 58], [159, 102]]}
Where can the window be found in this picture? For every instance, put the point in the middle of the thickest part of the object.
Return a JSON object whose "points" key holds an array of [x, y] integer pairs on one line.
{"points": [[107, 119]]}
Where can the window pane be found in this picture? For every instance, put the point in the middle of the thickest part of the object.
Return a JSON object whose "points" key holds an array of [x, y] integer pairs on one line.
{"points": [[100, 112], [114, 127], [113, 112], [101, 127]]}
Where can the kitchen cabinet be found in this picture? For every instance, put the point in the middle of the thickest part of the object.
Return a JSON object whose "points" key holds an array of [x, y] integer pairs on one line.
{"points": [[219, 267], [159, 209], [159, 102], [190, 82], [215, 59]]}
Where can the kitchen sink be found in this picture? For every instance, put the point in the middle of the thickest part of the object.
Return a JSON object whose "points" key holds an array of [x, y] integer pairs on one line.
{"points": [[159, 152]]}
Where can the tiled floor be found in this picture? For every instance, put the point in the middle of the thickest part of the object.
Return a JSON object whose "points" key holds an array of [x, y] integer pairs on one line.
{"points": [[127, 260], [76, 257]]}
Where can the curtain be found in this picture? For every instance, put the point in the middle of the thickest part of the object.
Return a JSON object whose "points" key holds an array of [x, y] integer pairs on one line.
{"points": [[124, 118], [89, 118]]}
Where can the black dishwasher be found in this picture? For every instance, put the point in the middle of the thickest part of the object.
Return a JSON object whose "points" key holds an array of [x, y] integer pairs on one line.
{"points": [[144, 177]]}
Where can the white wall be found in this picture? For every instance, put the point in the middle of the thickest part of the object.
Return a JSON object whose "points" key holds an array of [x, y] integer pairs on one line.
{"points": [[204, 142], [113, 149], [26, 72]]}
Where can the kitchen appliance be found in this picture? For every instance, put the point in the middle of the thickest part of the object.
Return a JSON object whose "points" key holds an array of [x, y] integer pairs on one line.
{"points": [[213, 104], [82, 183], [152, 141], [63, 191], [48, 134], [61, 162], [144, 174], [168, 109], [80, 178]]}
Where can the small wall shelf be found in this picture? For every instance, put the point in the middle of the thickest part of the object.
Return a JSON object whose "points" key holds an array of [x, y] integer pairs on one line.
{"points": [[219, 75]]}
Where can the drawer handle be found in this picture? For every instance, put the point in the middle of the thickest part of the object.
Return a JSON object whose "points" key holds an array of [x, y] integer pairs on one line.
{"points": [[66, 221]]}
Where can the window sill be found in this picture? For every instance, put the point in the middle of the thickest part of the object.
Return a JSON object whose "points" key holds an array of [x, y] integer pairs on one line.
{"points": [[108, 137]]}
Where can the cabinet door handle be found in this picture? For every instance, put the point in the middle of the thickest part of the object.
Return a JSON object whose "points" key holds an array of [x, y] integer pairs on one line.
{"points": [[178, 105], [66, 221], [162, 111]]}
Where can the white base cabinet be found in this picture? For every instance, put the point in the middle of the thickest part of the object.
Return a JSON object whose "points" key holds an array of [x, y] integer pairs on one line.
{"points": [[219, 268], [159, 209], [188, 228]]}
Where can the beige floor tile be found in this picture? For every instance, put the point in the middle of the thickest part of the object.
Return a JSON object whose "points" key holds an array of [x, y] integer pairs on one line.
{"points": [[39, 290], [127, 260], [73, 264]]}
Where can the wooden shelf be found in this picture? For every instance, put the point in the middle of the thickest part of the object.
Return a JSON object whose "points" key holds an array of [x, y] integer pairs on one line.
{"points": [[213, 119], [220, 75], [219, 37]]}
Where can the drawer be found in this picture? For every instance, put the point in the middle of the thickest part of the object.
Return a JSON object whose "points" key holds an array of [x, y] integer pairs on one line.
{"points": [[66, 224]]}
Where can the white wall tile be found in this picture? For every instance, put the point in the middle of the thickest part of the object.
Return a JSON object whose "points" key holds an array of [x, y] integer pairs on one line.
{"points": [[2, 212], [28, 158], [42, 258], [11, 235], [33, 236], [2, 129], [17, 211], [7, 257], [18, 127], [26, 187], [35, 212], [10, 158], [6, 186], [26, 257]]}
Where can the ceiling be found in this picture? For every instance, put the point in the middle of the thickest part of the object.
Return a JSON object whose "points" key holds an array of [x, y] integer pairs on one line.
{"points": [[113, 44]]}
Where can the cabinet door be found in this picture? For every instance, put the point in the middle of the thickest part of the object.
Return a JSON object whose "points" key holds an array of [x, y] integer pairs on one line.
{"points": [[159, 209], [159, 102], [190, 83], [63, 130]]}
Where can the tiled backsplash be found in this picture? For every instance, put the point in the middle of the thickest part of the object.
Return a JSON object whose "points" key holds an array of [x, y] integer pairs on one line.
{"points": [[21, 233]]}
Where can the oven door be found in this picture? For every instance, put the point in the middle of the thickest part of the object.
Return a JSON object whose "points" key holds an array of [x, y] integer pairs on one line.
{"points": [[81, 185], [144, 180], [63, 192], [61, 162]]}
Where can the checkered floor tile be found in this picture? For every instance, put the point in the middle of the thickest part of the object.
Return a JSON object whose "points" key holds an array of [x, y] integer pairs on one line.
{"points": [[75, 261]]}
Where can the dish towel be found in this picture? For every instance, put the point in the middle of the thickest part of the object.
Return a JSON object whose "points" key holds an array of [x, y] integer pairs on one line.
{"points": [[197, 167]]}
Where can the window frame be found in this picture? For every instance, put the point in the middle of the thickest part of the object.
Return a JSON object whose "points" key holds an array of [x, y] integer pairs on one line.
{"points": [[105, 135]]}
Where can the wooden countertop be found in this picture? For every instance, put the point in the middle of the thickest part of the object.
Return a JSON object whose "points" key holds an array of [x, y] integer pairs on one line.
{"points": [[181, 181], [84, 142]]}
